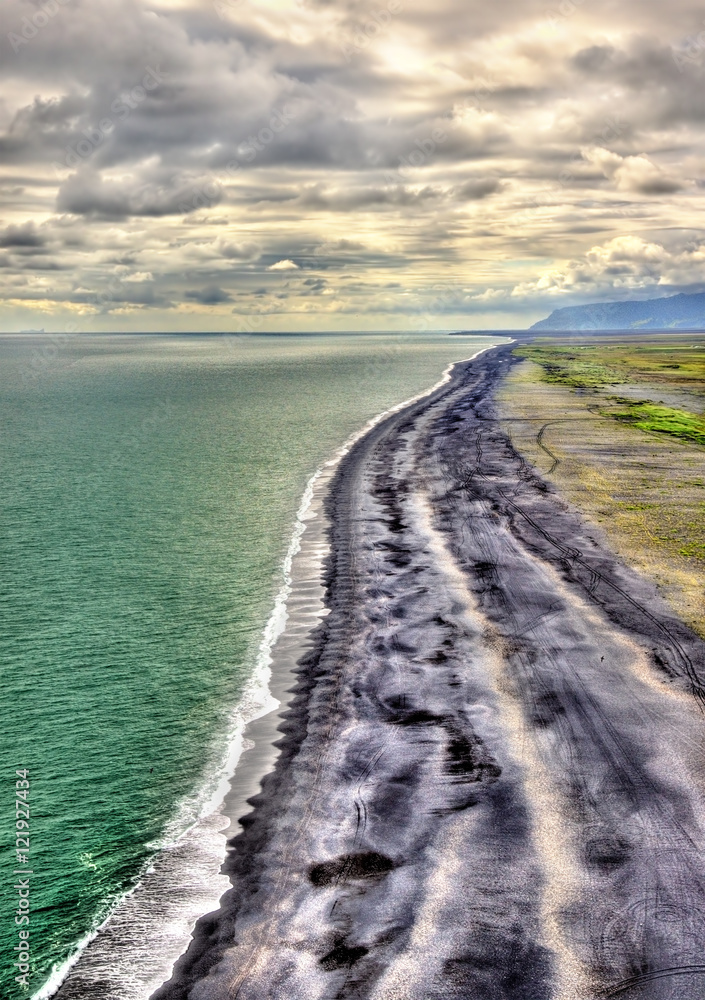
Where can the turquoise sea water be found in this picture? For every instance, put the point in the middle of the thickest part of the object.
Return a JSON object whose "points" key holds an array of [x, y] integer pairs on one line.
{"points": [[149, 488]]}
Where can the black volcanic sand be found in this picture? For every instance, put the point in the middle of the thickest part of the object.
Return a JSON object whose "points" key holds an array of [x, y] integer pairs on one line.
{"points": [[492, 770]]}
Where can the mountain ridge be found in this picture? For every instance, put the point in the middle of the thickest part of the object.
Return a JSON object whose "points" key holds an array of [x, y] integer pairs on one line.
{"points": [[683, 311]]}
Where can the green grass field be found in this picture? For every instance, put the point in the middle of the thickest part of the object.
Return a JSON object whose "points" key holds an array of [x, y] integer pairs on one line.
{"points": [[660, 363], [617, 424]]}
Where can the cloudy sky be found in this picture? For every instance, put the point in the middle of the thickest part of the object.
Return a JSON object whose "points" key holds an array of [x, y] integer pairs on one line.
{"points": [[345, 164]]}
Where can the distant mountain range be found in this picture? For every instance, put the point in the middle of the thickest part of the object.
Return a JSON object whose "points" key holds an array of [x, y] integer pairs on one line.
{"points": [[672, 312]]}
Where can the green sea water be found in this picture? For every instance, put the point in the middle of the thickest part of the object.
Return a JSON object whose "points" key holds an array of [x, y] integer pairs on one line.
{"points": [[149, 490]]}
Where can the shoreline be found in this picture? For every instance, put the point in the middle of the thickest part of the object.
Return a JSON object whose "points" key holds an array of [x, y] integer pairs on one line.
{"points": [[294, 639], [292, 636], [263, 757], [251, 754], [436, 741]]}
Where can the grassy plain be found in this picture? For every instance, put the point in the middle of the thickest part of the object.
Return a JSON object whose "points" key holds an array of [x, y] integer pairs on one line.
{"points": [[616, 423]]}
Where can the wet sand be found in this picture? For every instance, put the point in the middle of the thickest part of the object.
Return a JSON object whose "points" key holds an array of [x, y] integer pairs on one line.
{"points": [[491, 773]]}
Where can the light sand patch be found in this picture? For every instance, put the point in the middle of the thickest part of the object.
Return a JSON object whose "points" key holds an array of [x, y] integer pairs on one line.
{"points": [[556, 847], [645, 492]]}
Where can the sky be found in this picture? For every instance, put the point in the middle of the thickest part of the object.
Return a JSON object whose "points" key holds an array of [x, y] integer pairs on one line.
{"points": [[252, 165]]}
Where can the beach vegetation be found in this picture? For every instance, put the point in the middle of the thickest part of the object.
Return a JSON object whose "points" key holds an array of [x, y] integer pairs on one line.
{"points": [[618, 427], [655, 363]]}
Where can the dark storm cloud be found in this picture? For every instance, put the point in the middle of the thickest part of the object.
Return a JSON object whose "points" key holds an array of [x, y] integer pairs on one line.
{"points": [[88, 193], [209, 296], [25, 235], [476, 190]]}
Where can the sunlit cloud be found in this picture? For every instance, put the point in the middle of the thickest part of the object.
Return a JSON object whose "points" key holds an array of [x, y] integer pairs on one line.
{"points": [[337, 164], [283, 265]]}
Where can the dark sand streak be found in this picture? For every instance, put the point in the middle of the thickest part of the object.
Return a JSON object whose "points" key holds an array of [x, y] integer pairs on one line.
{"points": [[490, 781]]}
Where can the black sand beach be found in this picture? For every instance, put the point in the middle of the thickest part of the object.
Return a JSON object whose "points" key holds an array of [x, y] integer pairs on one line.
{"points": [[491, 773]]}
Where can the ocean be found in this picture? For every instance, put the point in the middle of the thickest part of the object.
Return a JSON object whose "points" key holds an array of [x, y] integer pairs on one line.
{"points": [[150, 490]]}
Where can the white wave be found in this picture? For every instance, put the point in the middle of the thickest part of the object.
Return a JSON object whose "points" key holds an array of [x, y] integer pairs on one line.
{"points": [[197, 829]]}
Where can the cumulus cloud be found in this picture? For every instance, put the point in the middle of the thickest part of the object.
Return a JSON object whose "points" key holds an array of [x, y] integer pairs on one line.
{"points": [[90, 194], [209, 296], [139, 276], [632, 173], [625, 263], [25, 235], [231, 250], [283, 265]]}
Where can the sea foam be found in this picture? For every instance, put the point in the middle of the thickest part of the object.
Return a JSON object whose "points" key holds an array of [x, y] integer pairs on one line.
{"points": [[132, 948]]}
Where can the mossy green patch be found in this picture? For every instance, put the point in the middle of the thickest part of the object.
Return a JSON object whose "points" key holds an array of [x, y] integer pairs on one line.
{"points": [[564, 366], [669, 363], [659, 419], [646, 491], [610, 361]]}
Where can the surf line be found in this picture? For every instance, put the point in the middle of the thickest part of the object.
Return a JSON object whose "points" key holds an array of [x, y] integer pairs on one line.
{"points": [[310, 512], [196, 844], [276, 625], [319, 484]]}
